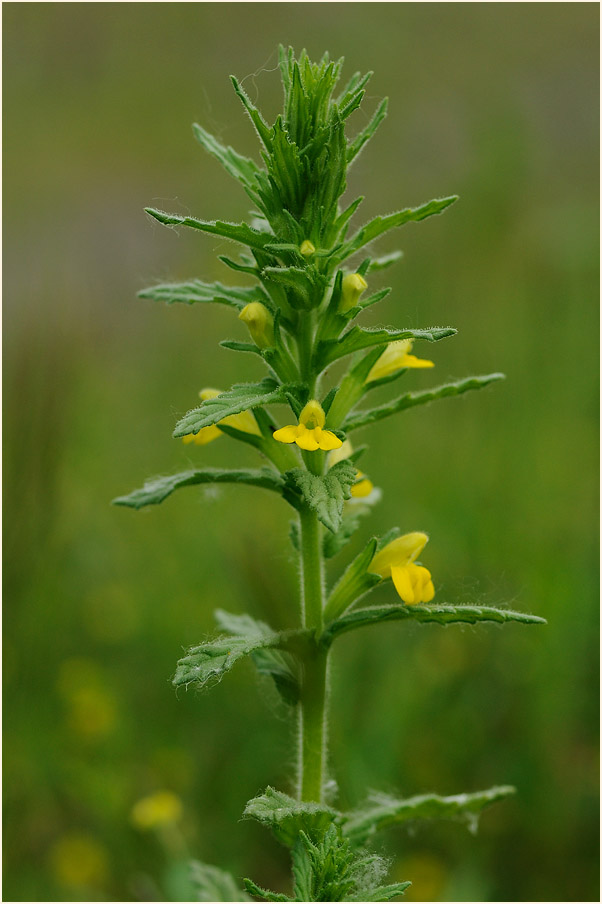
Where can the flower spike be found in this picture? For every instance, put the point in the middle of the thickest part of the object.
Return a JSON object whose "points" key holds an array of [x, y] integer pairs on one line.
{"points": [[396, 561], [396, 357], [309, 434]]}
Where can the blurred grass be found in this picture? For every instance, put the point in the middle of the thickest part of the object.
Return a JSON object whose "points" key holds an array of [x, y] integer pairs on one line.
{"points": [[496, 102]]}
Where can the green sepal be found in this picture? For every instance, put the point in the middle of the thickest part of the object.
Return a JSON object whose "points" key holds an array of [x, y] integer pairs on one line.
{"points": [[279, 665], [157, 489], [379, 225], [442, 614], [383, 811], [235, 346], [236, 232], [325, 494], [411, 399], [195, 290], [214, 884], [374, 298], [241, 397], [359, 337], [253, 269], [286, 817], [354, 583]]}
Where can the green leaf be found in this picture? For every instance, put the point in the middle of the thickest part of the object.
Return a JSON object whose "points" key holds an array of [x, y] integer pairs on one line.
{"points": [[243, 169], [258, 892], [380, 225], [235, 232], [384, 811], [207, 663], [366, 134], [241, 397], [380, 263], [287, 816], [157, 489], [388, 892], [442, 614], [279, 665], [263, 130], [411, 399], [324, 494], [359, 337], [213, 884], [197, 291]]}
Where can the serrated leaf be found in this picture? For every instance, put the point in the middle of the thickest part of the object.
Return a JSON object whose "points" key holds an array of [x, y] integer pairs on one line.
{"points": [[214, 884], [207, 663], [359, 337], [383, 811], [287, 816], [263, 130], [195, 291], [380, 225], [157, 489], [277, 664], [411, 399], [235, 232], [241, 397], [325, 494], [442, 614]]}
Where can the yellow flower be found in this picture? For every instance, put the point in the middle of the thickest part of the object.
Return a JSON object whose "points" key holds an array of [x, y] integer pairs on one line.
{"points": [[309, 434], [353, 285], [363, 486], [78, 861], [412, 582], [307, 248], [245, 421], [260, 324], [395, 357], [158, 809]]}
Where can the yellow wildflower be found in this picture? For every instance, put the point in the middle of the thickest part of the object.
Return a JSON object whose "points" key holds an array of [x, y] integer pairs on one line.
{"points": [[158, 809], [363, 486], [353, 286], [260, 324], [307, 248], [245, 421], [395, 357], [412, 582], [78, 861], [309, 434]]}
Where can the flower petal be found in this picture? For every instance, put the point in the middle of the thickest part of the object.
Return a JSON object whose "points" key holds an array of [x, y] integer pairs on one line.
{"points": [[306, 439], [403, 584], [413, 361], [287, 434], [327, 440]]}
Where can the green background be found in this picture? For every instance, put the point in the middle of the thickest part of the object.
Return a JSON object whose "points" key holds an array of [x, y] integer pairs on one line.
{"points": [[495, 102]]}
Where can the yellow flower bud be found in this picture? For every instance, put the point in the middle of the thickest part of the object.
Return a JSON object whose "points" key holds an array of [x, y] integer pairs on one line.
{"points": [[397, 561], [260, 324], [353, 286], [307, 248]]}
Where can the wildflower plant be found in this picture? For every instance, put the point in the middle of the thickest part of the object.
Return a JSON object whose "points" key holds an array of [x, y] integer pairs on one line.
{"points": [[309, 286]]}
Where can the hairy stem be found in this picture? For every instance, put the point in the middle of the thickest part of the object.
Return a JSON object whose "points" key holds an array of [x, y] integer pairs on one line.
{"points": [[312, 707]]}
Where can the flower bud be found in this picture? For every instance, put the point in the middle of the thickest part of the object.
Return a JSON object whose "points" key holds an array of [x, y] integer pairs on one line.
{"points": [[307, 248], [353, 286], [260, 324]]}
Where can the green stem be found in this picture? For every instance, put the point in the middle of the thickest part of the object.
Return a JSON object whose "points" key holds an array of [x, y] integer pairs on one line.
{"points": [[312, 707]]}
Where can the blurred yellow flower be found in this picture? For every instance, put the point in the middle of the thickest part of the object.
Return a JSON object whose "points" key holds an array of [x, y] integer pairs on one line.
{"points": [[78, 861], [309, 434], [158, 809], [245, 421], [396, 561], [396, 357], [91, 708]]}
